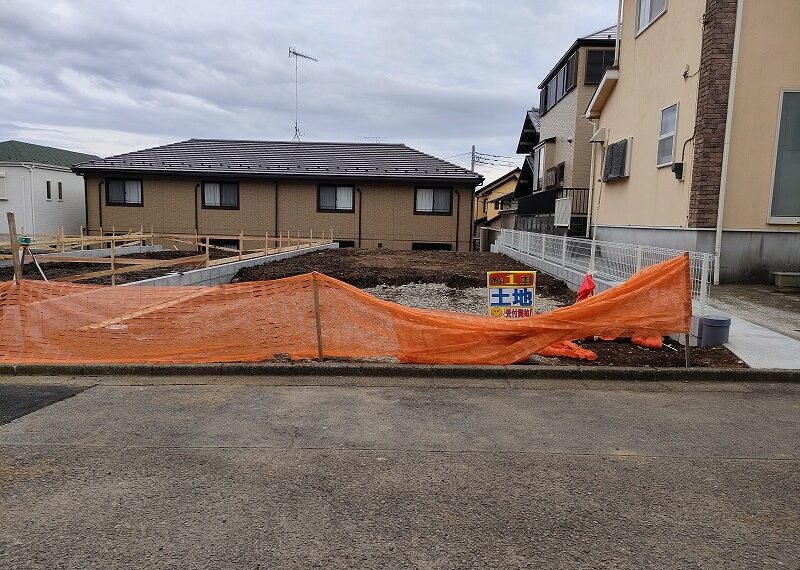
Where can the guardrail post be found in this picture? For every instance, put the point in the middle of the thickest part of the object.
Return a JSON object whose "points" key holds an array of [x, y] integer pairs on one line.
{"points": [[704, 284], [638, 257], [564, 250]]}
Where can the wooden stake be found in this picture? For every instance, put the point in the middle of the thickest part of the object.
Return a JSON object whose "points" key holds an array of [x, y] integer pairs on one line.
{"points": [[81, 238], [266, 242], [208, 250], [241, 236], [63, 248], [310, 237], [196, 244], [298, 240], [280, 242], [314, 286], [152, 241], [113, 275], [12, 236]]}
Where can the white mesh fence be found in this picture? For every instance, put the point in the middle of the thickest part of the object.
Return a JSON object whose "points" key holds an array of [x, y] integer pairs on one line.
{"points": [[611, 262]]}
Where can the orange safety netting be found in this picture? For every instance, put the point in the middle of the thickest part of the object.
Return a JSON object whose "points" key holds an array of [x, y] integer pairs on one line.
{"points": [[49, 322]]}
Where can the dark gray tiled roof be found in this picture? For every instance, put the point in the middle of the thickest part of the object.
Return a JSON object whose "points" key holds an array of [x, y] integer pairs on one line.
{"points": [[283, 159]]}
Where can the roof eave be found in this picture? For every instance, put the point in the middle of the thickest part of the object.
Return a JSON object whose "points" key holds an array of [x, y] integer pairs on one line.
{"points": [[468, 179], [602, 93]]}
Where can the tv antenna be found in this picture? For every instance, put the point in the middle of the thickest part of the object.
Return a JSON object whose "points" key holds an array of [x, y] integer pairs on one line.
{"points": [[297, 55]]}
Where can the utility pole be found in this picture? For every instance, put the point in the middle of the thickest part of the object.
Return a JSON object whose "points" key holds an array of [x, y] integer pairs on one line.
{"points": [[473, 158]]}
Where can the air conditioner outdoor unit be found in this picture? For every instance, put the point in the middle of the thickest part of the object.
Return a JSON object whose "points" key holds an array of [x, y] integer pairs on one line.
{"points": [[618, 160]]}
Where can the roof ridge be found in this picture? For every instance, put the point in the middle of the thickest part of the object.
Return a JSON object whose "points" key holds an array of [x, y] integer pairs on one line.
{"points": [[294, 142]]}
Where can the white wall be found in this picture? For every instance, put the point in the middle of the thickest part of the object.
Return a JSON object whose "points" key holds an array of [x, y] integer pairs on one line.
{"points": [[26, 197]]}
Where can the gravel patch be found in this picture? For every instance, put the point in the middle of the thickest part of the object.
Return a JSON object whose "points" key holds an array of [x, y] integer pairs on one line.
{"points": [[440, 296]]}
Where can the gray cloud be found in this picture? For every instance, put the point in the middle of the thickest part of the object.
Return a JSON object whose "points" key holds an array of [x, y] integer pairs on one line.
{"points": [[108, 77]]}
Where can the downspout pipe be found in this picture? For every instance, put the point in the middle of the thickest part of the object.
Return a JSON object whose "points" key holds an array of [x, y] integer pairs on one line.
{"points": [[359, 216], [723, 183], [589, 216], [458, 213], [100, 202], [619, 26], [196, 209]]}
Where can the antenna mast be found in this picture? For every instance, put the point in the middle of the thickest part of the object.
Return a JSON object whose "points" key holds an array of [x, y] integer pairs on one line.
{"points": [[293, 53]]}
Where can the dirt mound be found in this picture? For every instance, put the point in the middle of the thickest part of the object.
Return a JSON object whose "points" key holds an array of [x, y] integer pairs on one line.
{"points": [[367, 268]]}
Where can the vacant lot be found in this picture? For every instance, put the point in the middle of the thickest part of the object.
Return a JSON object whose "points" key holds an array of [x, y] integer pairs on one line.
{"points": [[367, 268]]}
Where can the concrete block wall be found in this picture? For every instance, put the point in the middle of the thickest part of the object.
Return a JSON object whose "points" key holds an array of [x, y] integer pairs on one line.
{"points": [[221, 274]]}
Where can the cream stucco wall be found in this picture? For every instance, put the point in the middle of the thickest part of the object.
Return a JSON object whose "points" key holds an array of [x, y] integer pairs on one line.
{"points": [[651, 78], [386, 209], [769, 60], [491, 209]]}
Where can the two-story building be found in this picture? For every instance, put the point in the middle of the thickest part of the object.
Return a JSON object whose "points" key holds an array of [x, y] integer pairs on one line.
{"points": [[697, 133], [487, 208], [368, 195], [36, 183], [555, 137]]}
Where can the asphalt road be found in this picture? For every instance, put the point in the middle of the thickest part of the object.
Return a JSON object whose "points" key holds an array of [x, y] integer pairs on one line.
{"points": [[555, 475]]}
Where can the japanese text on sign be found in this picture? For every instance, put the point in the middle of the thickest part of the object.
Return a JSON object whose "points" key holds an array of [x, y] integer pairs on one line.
{"points": [[512, 294]]}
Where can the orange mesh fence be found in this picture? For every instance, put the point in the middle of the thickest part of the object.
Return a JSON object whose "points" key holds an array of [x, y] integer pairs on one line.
{"points": [[48, 322]]}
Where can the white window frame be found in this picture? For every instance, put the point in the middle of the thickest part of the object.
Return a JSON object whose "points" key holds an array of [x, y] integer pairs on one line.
{"points": [[650, 23], [661, 136], [770, 218]]}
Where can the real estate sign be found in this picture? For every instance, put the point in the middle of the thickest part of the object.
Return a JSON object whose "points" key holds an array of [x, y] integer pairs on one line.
{"points": [[512, 294]]}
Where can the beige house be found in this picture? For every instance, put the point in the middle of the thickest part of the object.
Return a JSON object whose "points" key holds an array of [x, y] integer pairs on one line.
{"points": [[697, 133], [487, 208], [555, 137], [368, 195]]}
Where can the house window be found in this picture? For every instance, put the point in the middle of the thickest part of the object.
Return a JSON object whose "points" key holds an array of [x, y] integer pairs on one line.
{"points": [[221, 195], [48, 191], [123, 192], [485, 205], [335, 198], [666, 136], [597, 61], [785, 203], [562, 83], [60, 191], [433, 201], [649, 10], [537, 170]]}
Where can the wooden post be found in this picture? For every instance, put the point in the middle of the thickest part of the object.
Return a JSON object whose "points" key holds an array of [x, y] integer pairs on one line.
{"points": [[111, 242], [280, 242], [241, 243], [152, 241], [314, 286], [208, 250], [63, 247], [113, 275], [12, 236], [310, 237], [81, 238], [266, 242], [298, 240], [196, 243]]}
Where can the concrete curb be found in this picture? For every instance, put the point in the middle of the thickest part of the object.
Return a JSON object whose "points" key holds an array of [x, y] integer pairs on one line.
{"points": [[514, 372]]}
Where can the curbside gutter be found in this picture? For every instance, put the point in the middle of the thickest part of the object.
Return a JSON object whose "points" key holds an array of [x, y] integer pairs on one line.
{"points": [[356, 370]]}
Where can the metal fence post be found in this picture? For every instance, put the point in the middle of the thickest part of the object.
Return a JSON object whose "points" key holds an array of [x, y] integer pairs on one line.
{"points": [[704, 284], [564, 250], [638, 257], [543, 245]]}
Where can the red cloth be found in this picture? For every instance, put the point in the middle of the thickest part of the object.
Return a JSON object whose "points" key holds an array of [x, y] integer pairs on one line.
{"points": [[587, 287]]}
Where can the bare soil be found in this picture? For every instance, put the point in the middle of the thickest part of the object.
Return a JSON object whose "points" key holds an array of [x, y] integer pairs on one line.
{"points": [[624, 353], [54, 270], [365, 268]]}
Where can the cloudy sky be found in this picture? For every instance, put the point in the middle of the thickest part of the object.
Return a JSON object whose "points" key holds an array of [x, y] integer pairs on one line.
{"points": [[109, 76]]}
